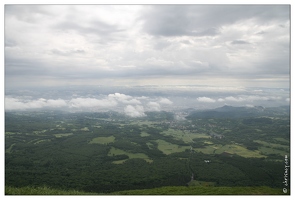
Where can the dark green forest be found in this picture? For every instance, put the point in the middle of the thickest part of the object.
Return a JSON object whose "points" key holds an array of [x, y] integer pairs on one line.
{"points": [[108, 152]]}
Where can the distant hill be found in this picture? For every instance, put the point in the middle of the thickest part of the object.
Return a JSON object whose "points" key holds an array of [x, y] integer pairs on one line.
{"points": [[240, 112]]}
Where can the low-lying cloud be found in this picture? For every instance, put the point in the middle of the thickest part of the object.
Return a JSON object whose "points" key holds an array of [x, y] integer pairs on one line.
{"points": [[136, 105], [165, 101], [129, 105], [240, 98], [154, 106], [126, 99], [134, 111], [92, 103], [16, 104], [206, 99]]}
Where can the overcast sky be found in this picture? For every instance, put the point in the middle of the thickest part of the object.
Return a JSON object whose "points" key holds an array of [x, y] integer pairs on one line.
{"points": [[219, 45]]}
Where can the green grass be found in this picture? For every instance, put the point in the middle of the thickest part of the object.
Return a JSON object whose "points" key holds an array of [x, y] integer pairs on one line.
{"points": [[63, 135], [195, 190], [169, 190], [41, 191], [45, 140], [268, 151], [145, 122], [282, 140], [239, 150], [230, 148], [144, 134], [185, 136], [200, 183], [84, 129], [10, 133], [10, 148], [168, 148], [272, 145], [115, 151], [150, 145], [102, 140]]}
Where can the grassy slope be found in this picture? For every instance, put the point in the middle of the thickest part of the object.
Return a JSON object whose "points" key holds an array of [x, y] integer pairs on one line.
{"points": [[170, 190]]}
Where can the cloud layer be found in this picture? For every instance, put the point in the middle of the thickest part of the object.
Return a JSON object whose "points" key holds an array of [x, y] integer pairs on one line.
{"points": [[131, 106], [145, 99], [47, 45]]}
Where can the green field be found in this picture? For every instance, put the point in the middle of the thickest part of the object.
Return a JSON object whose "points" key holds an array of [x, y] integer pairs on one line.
{"points": [[169, 148], [102, 140], [273, 145], [268, 151], [282, 140], [10, 148], [140, 123], [84, 129], [185, 136], [62, 135], [144, 134], [39, 141], [239, 150], [115, 151], [230, 148]]}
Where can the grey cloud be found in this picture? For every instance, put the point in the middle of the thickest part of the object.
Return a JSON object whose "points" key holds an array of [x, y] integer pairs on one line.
{"points": [[49, 44], [67, 53], [100, 31], [23, 67], [92, 103], [17, 104], [10, 43], [201, 20], [261, 33], [239, 42], [93, 27], [165, 20], [174, 21], [30, 13]]}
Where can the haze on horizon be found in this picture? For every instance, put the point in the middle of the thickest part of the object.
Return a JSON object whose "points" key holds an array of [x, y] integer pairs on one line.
{"points": [[217, 54]]}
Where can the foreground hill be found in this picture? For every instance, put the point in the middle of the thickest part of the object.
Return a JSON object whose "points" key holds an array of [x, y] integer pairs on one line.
{"points": [[170, 190]]}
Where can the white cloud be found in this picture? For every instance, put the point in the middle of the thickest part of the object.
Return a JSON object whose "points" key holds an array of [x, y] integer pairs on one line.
{"points": [[237, 99], [92, 103], [14, 104], [206, 100], [250, 98], [249, 105], [126, 99], [165, 101], [153, 106], [18, 104], [56, 103], [134, 111]]}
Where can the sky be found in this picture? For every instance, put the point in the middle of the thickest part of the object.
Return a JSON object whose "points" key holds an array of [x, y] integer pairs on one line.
{"points": [[217, 45], [138, 58]]}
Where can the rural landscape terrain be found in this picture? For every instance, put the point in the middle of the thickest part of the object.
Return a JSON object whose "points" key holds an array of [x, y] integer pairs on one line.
{"points": [[107, 152], [147, 99]]}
